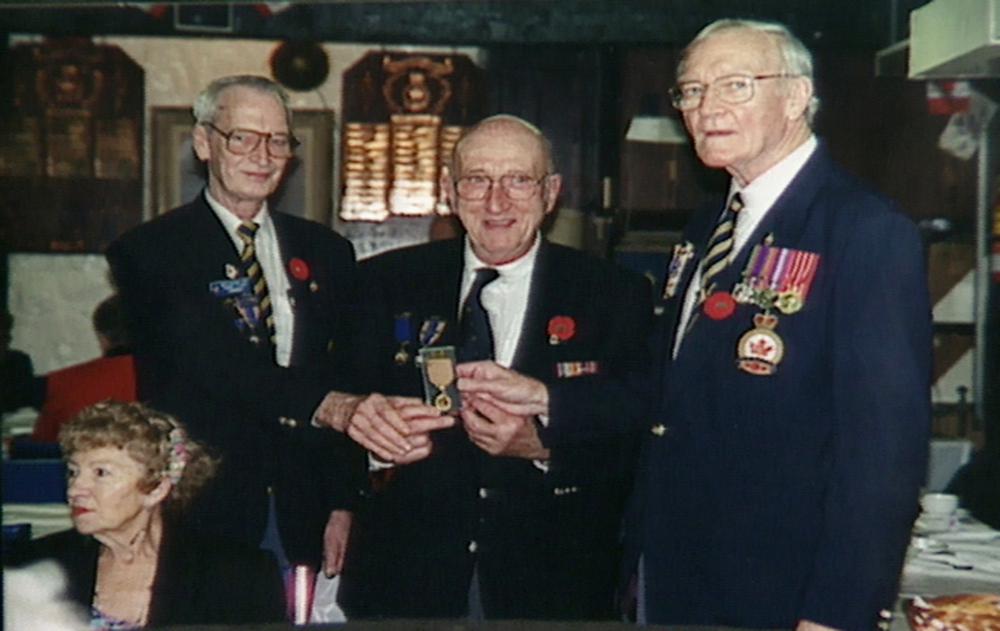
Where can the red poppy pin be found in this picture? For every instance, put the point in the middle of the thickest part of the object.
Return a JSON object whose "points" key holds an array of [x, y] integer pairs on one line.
{"points": [[298, 268], [561, 329]]}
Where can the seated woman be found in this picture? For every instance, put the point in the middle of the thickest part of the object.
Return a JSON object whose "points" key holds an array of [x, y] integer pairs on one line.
{"points": [[130, 472]]}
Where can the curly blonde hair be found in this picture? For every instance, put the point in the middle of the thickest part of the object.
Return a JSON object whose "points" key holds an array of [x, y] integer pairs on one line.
{"points": [[154, 439]]}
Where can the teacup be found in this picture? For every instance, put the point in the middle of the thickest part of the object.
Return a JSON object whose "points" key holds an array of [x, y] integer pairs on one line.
{"points": [[939, 504]]}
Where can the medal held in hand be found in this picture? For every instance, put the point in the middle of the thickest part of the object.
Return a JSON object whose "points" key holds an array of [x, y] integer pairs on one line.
{"points": [[437, 365]]}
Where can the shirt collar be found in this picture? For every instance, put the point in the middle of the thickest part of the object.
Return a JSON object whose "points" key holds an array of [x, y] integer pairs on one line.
{"points": [[517, 268], [231, 221], [760, 194]]}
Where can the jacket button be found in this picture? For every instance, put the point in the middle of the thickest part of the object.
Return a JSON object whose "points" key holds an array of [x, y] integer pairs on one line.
{"points": [[658, 430], [473, 546], [484, 493]]}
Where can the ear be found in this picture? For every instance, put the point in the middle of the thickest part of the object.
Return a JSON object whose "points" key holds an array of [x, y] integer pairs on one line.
{"points": [[199, 139], [800, 92], [158, 494], [552, 187]]}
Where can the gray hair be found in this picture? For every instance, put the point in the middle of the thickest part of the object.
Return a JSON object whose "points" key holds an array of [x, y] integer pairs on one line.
{"points": [[796, 58], [545, 143], [206, 104]]}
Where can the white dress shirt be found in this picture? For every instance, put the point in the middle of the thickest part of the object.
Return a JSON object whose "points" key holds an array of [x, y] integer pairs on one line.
{"points": [[505, 299], [758, 198], [269, 256]]}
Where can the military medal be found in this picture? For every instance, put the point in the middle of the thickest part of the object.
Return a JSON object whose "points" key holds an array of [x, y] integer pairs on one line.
{"points": [[438, 368], [431, 330], [760, 349], [777, 278], [403, 332], [440, 372], [683, 252]]}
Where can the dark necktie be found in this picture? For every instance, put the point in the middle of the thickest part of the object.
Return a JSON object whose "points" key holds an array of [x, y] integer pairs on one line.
{"points": [[264, 327], [477, 336], [720, 246]]}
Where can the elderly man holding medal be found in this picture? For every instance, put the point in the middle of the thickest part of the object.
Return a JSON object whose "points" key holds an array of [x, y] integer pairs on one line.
{"points": [[780, 475], [502, 515]]}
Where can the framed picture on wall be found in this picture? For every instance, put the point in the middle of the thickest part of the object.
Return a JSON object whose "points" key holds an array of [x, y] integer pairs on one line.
{"points": [[177, 176]]}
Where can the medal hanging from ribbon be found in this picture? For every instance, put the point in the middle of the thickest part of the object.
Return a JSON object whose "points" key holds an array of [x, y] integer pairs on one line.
{"points": [[777, 278], [774, 278], [402, 330], [437, 365]]}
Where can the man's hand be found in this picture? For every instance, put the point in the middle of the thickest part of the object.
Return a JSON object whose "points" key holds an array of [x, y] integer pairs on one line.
{"points": [[506, 389], [389, 427], [338, 528], [500, 433]]}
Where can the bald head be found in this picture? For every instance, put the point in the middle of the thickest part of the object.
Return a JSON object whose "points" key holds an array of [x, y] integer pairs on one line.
{"points": [[501, 125]]}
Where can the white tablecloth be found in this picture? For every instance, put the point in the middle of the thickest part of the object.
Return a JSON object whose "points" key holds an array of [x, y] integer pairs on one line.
{"points": [[964, 560]]}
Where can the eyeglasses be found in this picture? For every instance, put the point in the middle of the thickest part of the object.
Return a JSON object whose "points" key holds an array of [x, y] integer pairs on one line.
{"points": [[732, 89], [515, 186], [244, 141]]}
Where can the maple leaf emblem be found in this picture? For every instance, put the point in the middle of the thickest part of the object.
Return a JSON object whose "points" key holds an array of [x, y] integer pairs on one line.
{"points": [[761, 347]]}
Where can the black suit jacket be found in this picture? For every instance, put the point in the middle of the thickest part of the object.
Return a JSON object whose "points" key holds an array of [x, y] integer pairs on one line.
{"points": [[544, 543], [193, 362], [198, 580]]}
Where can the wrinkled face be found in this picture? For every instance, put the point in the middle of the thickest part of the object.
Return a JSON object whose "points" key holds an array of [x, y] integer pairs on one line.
{"points": [[748, 138], [236, 180], [103, 491], [502, 229]]}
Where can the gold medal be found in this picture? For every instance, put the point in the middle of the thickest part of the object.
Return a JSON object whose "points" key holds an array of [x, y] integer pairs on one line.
{"points": [[442, 402], [788, 302], [441, 373], [437, 363]]}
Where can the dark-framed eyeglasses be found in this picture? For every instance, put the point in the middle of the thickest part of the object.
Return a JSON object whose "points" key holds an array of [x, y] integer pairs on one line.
{"points": [[244, 141], [731, 89], [515, 186]]}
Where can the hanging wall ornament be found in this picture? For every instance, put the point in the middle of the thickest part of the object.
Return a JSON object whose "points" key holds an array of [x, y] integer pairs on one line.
{"points": [[300, 66]]}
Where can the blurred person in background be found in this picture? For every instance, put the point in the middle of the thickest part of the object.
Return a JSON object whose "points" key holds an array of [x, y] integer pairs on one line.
{"points": [[110, 376]]}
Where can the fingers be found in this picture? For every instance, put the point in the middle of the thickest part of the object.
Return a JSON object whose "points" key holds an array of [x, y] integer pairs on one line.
{"points": [[510, 390], [391, 427], [335, 536]]}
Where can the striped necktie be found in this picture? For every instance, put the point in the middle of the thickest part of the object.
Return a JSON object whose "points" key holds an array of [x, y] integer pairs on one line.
{"points": [[720, 246], [264, 327], [476, 333]]}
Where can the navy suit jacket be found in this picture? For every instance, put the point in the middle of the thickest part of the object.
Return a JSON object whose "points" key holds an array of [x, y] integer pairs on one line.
{"points": [[770, 499], [545, 543], [193, 362]]}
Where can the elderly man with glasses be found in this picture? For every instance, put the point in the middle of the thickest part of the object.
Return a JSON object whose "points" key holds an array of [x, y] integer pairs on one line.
{"points": [[503, 515], [241, 318], [794, 412], [780, 475]]}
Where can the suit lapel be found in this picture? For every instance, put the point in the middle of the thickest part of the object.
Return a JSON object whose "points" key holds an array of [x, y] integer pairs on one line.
{"points": [[529, 343], [788, 217]]}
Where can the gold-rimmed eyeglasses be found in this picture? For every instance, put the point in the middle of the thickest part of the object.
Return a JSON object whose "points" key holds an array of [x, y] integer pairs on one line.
{"points": [[731, 89], [244, 141], [515, 186]]}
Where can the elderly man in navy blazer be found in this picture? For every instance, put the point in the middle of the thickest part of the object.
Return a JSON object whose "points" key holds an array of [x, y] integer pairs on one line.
{"points": [[503, 515], [242, 319], [781, 475], [789, 442]]}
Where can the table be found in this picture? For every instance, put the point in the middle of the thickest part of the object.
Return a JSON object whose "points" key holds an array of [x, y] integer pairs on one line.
{"points": [[963, 560]]}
